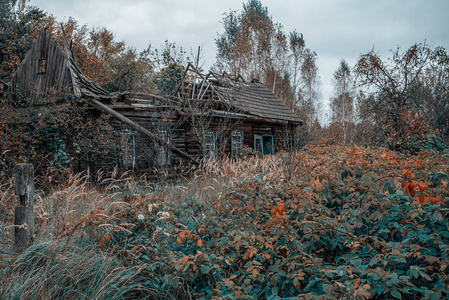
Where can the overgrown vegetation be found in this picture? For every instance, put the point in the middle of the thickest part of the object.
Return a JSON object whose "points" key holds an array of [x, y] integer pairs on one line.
{"points": [[375, 102], [329, 222], [406, 95], [325, 222], [57, 135]]}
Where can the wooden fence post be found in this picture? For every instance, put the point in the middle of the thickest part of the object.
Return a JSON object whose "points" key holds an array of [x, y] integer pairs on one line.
{"points": [[24, 212]]}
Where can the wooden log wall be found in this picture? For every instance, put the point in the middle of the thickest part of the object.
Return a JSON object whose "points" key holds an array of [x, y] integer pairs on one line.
{"points": [[155, 119], [31, 80], [249, 128]]}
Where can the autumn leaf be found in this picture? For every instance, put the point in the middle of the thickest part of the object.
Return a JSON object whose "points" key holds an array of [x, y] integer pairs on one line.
{"points": [[317, 185], [108, 237], [434, 200], [250, 253], [201, 230], [180, 239], [281, 210], [101, 242], [200, 243], [296, 283], [422, 186], [356, 282], [406, 173]]}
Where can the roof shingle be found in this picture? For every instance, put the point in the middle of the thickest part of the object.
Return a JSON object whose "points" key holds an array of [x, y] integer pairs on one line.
{"points": [[254, 98]]}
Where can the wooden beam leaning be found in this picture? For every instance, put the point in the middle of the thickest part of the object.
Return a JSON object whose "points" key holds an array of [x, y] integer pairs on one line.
{"points": [[24, 212], [106, 109]]}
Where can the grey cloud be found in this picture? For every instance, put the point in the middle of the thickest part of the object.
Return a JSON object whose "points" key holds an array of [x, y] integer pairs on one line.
{"points": [[335, 29]]}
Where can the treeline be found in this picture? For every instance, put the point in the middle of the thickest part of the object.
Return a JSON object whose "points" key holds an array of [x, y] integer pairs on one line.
{"points": [[252, 45], [112, 64], [255, 46], [399, 102]]}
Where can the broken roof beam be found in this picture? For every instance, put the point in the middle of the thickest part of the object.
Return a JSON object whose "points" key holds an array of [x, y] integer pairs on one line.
{"points": [[102, 107], [206, 78]]}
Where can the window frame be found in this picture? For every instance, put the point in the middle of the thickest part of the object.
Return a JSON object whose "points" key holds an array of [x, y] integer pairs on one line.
{"points": [[210, 144], [128, 148], [163, 155], [236, 145], [260, 142]]}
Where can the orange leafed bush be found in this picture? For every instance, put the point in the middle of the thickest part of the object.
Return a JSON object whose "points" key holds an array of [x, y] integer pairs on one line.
{"points": [[280, 209]]}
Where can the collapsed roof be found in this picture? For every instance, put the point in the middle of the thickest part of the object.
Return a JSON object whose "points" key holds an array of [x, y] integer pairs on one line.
{"points": [[251, 98], [48, 67]]}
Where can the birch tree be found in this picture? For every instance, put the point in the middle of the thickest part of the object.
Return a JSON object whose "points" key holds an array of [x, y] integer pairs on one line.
{"points": [[342, 104]]}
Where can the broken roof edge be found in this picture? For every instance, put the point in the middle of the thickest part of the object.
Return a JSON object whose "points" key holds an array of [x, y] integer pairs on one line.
{"points": [[81, 85], [237, 115], [227, 90]]}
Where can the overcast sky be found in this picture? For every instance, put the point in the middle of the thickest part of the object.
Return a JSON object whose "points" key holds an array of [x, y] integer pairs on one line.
{"points": [[334, 29]]}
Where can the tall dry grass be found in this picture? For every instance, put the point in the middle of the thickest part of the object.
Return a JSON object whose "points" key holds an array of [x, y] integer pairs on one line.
{"points": [[6, 219], [66, 263], [49, 270], [57, 211], [62, 263], [217, 177]]}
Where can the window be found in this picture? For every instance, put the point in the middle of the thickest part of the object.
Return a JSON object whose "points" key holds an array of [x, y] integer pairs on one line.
{"points": [[42, 66], [258, 144], [264, 144], [210, 145], [163, 155], [268, 144], [236, 143], [128, 146]]}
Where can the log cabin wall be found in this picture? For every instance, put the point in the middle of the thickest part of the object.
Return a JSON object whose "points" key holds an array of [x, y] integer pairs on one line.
{"points": [[235, 105], [161, 120], [249, 128], [182, 136]]}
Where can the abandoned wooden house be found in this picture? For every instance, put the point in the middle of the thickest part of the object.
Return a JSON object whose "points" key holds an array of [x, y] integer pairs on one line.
{"points": [[208, 115]]}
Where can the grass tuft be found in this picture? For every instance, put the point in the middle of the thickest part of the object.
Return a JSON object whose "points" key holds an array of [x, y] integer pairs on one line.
{"points": [[48, 270]]}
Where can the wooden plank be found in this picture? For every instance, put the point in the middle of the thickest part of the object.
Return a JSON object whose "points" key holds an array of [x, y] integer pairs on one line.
{"points": [[62, 66], [100, 106], [50, 68], [24, 212], [24, 227]]}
